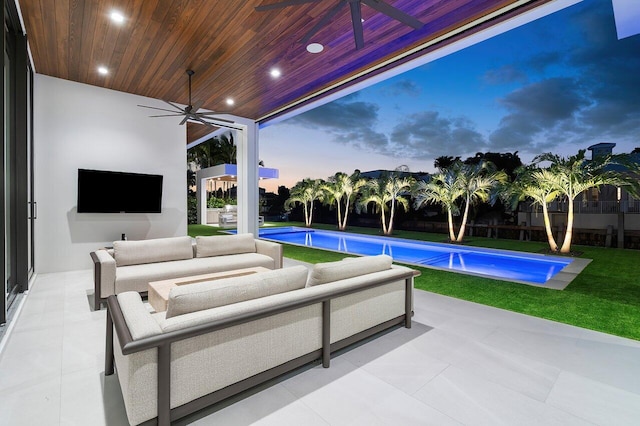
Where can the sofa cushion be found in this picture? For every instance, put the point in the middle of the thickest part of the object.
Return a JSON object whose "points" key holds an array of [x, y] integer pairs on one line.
{"points": [[219, 245], [211, 294], [323, 273], [151, 251]]}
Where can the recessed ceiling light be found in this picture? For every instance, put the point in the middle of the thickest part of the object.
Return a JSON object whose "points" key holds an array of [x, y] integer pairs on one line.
{"points": [[103, 70], [117, 17], [275, 73], [315, 48], [230, 101]]}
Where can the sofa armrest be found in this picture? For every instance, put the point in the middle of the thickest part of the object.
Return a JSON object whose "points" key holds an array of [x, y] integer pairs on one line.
{"points": [[137, 317], [271, 249], [104, 267]]}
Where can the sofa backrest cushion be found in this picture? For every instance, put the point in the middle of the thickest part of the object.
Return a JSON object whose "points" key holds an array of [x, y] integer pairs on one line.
{"points": [[212, 294], [220, 245], [151, 251], [323, 273]]}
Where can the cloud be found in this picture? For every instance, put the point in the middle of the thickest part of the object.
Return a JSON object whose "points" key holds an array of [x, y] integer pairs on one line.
{"points": [[347, 121], [427, 135], [402, 87], [595, 99], [504, 75], [536, 112]]}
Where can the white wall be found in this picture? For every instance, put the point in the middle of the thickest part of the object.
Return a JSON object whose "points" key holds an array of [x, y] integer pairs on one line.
{"points": [[82, 126]]}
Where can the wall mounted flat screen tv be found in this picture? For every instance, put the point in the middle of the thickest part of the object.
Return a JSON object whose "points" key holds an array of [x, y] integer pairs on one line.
{"points": [[101, 191]]}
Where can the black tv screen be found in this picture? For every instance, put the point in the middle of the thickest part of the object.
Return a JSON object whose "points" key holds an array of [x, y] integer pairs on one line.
{"points": [[102, 191]]}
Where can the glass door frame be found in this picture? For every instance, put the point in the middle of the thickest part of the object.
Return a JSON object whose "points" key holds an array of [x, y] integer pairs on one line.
{"points": [[15, 214]]}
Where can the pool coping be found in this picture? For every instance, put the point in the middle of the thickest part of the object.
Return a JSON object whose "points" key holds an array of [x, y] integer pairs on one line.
{"points": [[559, 281]]}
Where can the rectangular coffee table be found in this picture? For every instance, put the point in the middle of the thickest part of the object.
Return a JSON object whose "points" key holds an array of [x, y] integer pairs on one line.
{"points": [[159, 290]]}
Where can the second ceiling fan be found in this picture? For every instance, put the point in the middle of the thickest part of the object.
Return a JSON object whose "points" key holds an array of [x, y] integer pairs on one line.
{"points": [[356, 16], [190, 112]]}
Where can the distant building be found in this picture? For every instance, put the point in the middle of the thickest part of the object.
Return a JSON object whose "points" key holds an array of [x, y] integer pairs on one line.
{"points": [[375, 174]]}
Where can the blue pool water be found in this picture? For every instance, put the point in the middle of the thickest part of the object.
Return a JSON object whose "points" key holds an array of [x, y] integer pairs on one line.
{"points": [[499, 264]]}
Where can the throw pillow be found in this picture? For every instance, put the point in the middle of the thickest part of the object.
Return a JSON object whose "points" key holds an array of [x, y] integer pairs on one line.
{"points": [[323, 273], [212, 294], [220, 245]]}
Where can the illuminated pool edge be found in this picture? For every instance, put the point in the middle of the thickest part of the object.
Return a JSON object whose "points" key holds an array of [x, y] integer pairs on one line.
{"points": [[558, 282]]}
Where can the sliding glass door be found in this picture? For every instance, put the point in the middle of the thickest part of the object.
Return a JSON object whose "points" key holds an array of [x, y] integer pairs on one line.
{"points": [[16, 177]]}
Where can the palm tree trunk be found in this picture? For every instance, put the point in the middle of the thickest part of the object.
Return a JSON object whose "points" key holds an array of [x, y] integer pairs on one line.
{"points": [[393, 210], [384, 220], [310, 214], [346, 215], [306, 215], [452, 236], [568, 236], [339, 215], [547, 227], [463, 225]]}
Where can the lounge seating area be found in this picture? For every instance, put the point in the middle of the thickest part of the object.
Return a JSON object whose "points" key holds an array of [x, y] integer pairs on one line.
{"points": [[131, 265], [219, 338]]}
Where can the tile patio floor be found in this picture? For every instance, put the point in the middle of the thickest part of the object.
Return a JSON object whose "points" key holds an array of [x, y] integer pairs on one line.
{"points": [[461, 363]]}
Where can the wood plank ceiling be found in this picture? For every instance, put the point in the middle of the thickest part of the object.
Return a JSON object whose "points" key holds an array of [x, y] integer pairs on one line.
{"points": [[231, 46]]}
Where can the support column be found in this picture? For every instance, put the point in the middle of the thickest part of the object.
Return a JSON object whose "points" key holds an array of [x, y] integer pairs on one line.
{"points": [[201, 196], [248, 193]]}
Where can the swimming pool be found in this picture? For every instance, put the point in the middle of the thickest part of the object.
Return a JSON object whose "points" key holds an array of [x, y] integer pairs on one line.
{"points": [[527, 268]]}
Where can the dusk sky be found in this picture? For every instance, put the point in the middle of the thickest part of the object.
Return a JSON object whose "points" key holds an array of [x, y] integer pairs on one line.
{"points": [[559, 84]]}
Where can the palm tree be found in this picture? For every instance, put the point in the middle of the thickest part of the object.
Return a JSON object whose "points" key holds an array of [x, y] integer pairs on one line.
{"points": [[538, 185], [306, 192], [477, 182], [341, 190], [573, 175], [387, 193], [226, 150], [203, 155], [443, 188], [469, 183]]}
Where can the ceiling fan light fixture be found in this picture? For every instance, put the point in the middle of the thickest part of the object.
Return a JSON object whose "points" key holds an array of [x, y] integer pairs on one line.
{"points": [[315, 48]]}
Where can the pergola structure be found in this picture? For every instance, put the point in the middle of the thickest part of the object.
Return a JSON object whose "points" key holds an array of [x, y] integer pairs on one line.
{"points": [[223, 173]]}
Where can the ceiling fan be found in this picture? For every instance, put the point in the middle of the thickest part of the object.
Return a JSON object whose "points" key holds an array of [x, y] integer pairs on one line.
{"points": [[190, 112], [356, 16]]}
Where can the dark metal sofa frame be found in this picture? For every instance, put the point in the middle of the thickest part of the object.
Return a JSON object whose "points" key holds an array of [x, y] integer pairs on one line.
{"points": [[162, 343]]}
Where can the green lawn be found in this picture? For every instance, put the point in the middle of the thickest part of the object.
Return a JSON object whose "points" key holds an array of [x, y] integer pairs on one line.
{"points": [[604, 297]]}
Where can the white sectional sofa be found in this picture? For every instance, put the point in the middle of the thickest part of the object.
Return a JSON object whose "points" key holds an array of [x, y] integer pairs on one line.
{"points": [[131, 265], [219, 338]]}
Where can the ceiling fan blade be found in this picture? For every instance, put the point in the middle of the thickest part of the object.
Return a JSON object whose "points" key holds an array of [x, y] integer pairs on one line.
{"points": [[166, 115], [322, 22], [200, 120], [159, 109], [282, 4], [356, 22], [184, 120], [175, 106], [196, 107], [394, 13]]}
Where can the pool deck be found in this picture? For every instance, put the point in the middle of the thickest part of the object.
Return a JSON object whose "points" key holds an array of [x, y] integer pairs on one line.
{"points": [[460, 364]]}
